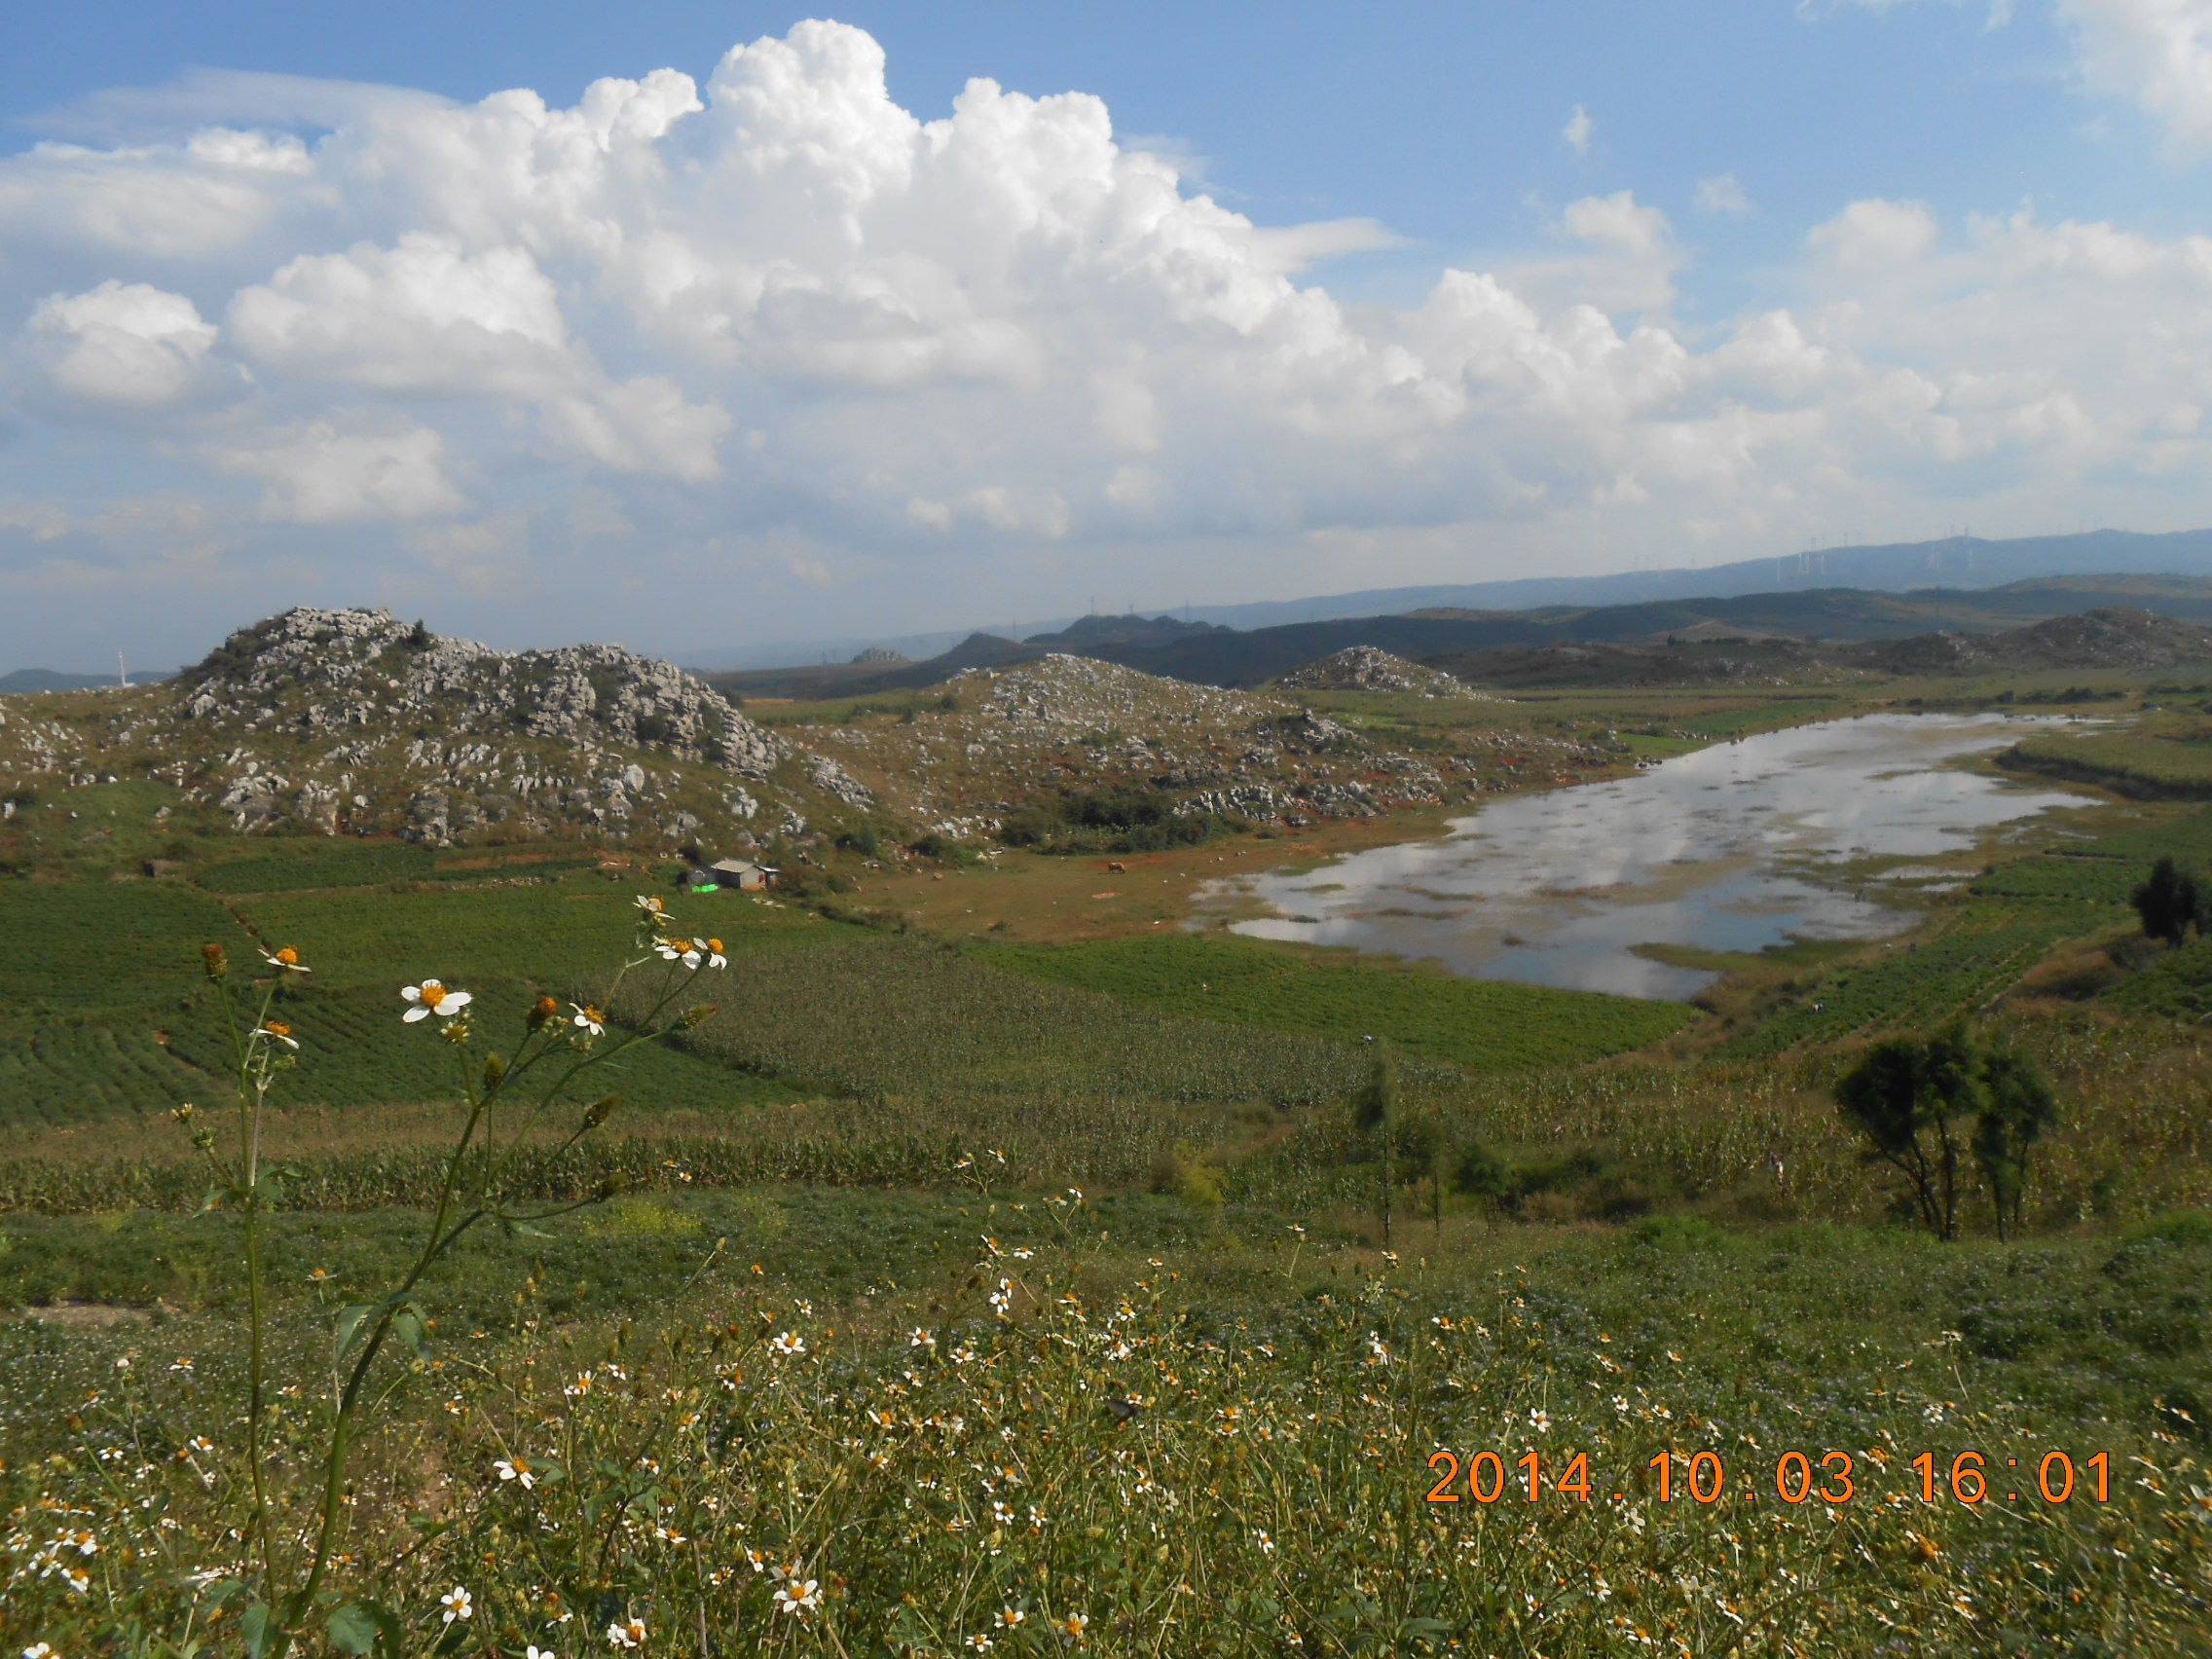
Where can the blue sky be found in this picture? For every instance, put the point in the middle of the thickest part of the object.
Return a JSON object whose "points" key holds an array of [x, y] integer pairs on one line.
{"points": [[1351, 295]]}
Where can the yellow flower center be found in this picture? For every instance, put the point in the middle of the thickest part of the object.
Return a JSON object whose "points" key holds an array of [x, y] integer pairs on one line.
{"points": [[434, 993], [289, 957], [278, 1028], [714, 945], [594, 1015]]}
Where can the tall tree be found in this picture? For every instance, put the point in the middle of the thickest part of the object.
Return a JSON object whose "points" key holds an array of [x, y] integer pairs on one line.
{"points": [[2167, 902], [1905, 1096], [2019, 1107], [1908, 1097]]}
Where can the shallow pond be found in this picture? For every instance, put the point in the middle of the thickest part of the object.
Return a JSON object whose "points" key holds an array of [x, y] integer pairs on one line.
{"points": [[1719, 849]]}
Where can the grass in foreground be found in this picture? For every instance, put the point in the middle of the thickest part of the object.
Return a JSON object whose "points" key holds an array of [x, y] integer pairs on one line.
{"points": [[1230, 1452]]}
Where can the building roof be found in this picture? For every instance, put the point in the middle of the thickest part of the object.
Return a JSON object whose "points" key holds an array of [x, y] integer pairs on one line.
{"points": [[738, 866]]}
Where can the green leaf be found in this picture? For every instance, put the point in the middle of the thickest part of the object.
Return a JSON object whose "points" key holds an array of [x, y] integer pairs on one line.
{"points": [[256, 1627], [392, 1645], [408, 1326], [349, 1321], [352, 1628]]}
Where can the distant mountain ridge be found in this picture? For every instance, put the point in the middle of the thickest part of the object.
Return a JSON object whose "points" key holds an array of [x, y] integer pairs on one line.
{"points": [[1222, 656], [2107, 637], [1959, 563], [1962, 563]]}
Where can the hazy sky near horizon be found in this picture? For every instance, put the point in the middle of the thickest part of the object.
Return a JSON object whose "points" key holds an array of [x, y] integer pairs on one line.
{"points": [[692, 325]]}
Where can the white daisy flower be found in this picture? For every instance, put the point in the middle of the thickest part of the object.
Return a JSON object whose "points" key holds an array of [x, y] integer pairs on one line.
{"points": [[626, 1632], [285, 958], [431, 997], [589, 1019], [788, 1345], [518, 1470], [798, 1596], [458, 1605], [276, 1031]]}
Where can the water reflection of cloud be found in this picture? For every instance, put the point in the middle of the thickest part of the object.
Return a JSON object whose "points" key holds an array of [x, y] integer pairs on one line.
{"points": [[1576, 877]]}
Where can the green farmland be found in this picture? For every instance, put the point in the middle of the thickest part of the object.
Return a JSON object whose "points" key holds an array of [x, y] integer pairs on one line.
{"points": [[1483, 1025]]}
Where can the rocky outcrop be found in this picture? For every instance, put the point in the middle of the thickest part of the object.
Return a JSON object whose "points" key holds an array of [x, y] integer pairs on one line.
{"points": [[329, 671], [1004, 736], [339, 720], [1367, 668], [2112, 635]]}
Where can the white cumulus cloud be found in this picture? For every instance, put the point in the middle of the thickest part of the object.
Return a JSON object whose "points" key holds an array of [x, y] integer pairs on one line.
{"points": [[335, 471], [2157, 52], [719, 338], [123, 343]]}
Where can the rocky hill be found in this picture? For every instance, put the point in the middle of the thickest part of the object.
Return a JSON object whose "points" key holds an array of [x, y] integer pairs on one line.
{"points": [[353, 721], [1069, 722], [2107, 637], [1365, 668], [1679, 662]]}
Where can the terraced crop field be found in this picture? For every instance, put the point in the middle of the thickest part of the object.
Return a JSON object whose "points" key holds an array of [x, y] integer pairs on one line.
{"points": [[300, 865], [2188, 837], [70, 945], [117, 1015], [1923, 984], [2178, 985], [110, 1012], [1480, 1025], [2068, 877], [893, 1017]]}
